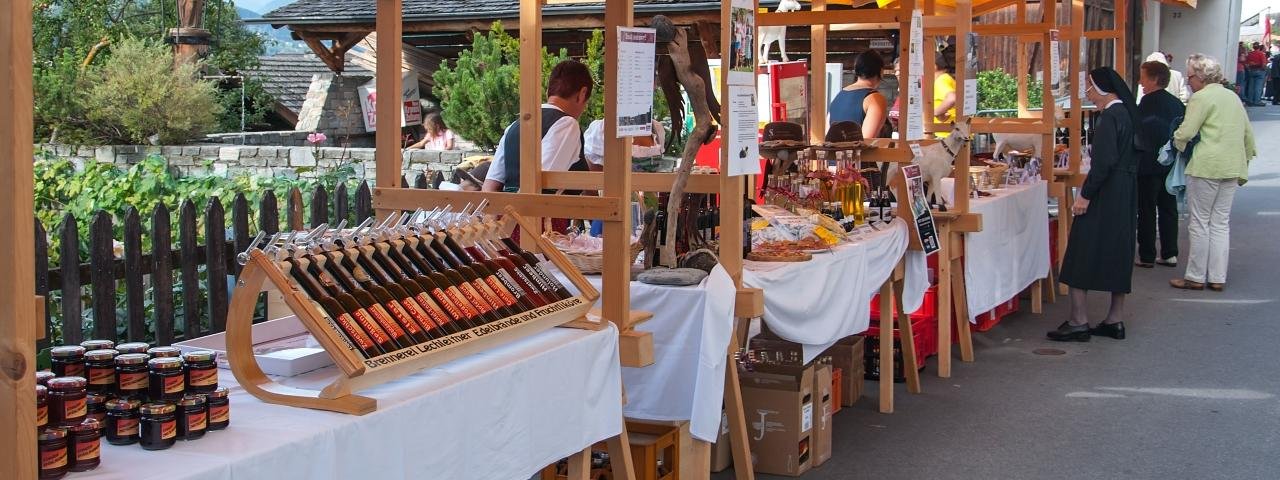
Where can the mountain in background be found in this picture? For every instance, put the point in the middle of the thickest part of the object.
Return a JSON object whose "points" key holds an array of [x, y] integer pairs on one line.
{"points": [[279, 40]]}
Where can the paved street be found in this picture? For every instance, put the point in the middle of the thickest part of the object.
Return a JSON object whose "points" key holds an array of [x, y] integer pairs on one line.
{"points": [[1192, 393]]}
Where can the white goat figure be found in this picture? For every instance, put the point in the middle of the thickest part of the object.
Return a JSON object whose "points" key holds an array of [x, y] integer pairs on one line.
{"points": [[936, 162], [768, 35], [1023, 142]]}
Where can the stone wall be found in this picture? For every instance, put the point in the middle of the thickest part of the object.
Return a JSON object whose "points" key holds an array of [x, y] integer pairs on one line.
{"points": [[235, 160]]}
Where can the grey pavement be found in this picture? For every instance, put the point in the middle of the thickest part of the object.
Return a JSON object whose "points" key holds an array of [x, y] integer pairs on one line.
{"points": [[1193, 393]]}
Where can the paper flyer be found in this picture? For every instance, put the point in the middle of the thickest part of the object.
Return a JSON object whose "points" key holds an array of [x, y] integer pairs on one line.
{"points": [[1055, 65], [925, 231], [1083, 75], [915, 108], [636, 64], [916, 54], [744, 144], [742, 51], [971, 76]]}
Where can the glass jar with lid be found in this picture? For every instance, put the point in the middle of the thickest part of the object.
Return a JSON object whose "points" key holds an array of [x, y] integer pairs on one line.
{"points": [[202, 371], [100, 370], [167, 383], [132, 376], [67, 360], [67, 403], [122, 421], [158, 428]]}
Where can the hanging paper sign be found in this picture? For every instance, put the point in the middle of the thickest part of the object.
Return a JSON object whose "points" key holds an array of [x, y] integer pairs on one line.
{"points": [[1080, 82], [916, 54], [1055, 61], [742, 48], [743, 141], [971, 76], [410, 110], [635, 81], [915, 108], [923, 217]]}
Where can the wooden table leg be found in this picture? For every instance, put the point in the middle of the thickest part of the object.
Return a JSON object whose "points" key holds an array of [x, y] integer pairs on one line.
{"points": [[944, 304], [695, 462], [580, 464], [962, 312], [1037, 298], [886, 347], [620, 461], [910, 364], [742, 466]]}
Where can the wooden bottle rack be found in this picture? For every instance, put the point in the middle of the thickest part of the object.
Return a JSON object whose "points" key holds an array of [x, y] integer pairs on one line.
{"points": [[358, 373]]}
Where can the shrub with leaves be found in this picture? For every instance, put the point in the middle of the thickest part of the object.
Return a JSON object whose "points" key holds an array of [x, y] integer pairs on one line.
{"points": [[998, 90], [139, 93]]}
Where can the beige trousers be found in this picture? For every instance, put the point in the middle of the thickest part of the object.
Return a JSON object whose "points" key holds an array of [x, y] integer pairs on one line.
{"points": [[1209, 211]]}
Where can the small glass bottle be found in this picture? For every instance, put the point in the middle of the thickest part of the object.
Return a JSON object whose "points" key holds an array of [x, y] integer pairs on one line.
{"points": [[96, 406], [67, 405], [167, 383], [158, 428], [165, 352], [91, 345], [133, 347], [85, 446], [43, 377], [67, 360], [219, 408], [193, 417], [132, 376], [202, 372], [122, 421], [100, 369], [52, 451], [42, 407]]}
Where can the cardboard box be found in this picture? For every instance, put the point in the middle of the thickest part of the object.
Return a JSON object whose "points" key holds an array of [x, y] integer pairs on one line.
{"points": [[847, 355], [721, 452], [779, 405], [822, 405], [837, 385]]}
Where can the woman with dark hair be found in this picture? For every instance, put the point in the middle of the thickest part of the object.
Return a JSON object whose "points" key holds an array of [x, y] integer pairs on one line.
{"points": [[1100, 249], [860, 102], [944, 87], [437, 136]]}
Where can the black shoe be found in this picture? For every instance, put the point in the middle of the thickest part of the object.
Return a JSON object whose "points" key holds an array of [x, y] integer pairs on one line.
{"points": [[1113, 330], [1069, 333]]}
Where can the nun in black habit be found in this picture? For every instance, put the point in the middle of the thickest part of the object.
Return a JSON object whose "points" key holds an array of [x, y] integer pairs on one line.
{"points": [[1100, 249]]}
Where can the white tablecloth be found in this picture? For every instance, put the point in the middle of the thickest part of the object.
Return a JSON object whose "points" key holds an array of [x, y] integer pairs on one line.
{"points": [[501, 414], [818, 302], [1012, 250], [691, 329]]}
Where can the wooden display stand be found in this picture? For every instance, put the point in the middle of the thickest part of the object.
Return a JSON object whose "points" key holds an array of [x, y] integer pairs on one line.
{"points": [[359, 373]]}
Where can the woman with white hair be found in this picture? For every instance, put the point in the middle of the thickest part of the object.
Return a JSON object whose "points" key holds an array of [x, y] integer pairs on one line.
{"points": [[1219, 163]]}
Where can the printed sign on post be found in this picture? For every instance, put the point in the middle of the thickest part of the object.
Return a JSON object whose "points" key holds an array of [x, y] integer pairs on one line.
{"points": [[925, 230], [635, 81], [410, 110], [1055, 61], [743, 140]]}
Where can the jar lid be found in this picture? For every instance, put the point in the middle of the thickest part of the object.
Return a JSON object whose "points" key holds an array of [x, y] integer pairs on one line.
{"points": [[66, 383], [191, 400], [95, 398], [97, 344], [157, 409], [52, 433], [88, 425], [165, 363], [164, 352], [41, 391], [103, 354], [44, 376], [131, 359], [66, 351], [200, 356], [134, 347], [122, 405], [220, 392]]}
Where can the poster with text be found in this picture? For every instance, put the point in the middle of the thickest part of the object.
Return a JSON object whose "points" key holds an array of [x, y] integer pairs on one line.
{"points": [[1055, 63], [971, 75], [916, 53], [1082, 75], [922, 216], [410, 106], [635, 81], [742, 50], [915, 108], [744, 144]]}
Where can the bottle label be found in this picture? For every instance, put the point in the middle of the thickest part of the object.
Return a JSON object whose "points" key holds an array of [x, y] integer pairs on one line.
{"points": [[443, 299], [74, 408], [499, 285], [349, 327], [196, 421], [174, 384], [537, 277], [86, 450], [380, 314], [490, 295], [53, 458], [131, 382], [203, 377], [402, 317], [524, 280], [168, 429], [102, 376], [464, 302], [378, 335], [73, 370], [477, 301], [432, 309], [126, 427], [420, 316], [220, 413], [42, 415]]}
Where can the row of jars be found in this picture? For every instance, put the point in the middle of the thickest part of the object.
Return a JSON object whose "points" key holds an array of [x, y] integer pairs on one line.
{"points": [[132, 370]]}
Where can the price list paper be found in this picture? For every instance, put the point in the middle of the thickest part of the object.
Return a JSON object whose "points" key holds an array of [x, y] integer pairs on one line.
{"points": [[636, 64]]}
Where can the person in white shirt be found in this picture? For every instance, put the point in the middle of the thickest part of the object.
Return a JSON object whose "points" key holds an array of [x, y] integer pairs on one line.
{"points": [[1177, 82], [641, 147], [568, 91]]}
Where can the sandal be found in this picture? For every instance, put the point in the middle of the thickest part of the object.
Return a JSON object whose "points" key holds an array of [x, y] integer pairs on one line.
{"points": [[1185, 284], [1217, 287]]}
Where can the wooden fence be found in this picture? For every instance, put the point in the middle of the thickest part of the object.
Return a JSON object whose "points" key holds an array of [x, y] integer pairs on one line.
{"points": [[170, 274]]}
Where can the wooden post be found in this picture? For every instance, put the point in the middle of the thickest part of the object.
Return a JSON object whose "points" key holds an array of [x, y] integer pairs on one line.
{"points": [[18, 327], [617, 174], [817, 77], [387, 138], [944, 300]]}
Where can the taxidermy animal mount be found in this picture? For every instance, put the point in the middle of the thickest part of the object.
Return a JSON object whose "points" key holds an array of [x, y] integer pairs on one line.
{"points": [[936, 162]]}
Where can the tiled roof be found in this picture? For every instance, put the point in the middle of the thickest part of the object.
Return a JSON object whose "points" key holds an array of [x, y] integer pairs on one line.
{"points": [[363, 11], [287, 76]]}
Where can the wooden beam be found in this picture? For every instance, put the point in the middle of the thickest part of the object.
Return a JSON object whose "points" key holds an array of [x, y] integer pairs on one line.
{"points": [[531, 205], [833, 17], [17, 292], [387, 138], [1001, 29], [510, 24], [333, 56], [617, 175], [640, 182], [818, 76], [988, 7]]}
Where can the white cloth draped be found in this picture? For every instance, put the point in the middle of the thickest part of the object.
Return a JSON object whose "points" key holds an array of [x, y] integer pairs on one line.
{"points": [[1012, 250], [504, 413]]}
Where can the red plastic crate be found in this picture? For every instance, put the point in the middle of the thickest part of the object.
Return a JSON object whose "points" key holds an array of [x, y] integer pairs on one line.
{"points": [[1053, 242], [989, 320], [928, 308], [926, 335]]}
